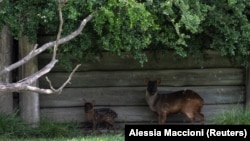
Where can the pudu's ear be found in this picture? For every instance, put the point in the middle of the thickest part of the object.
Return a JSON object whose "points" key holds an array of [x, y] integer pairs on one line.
{"points": [[158, 81], [84, 100], [146, 80], [93, 102]]}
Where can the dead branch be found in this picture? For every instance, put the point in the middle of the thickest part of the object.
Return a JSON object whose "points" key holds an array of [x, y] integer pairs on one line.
{"points": [[61, 4], [22, 86], [46, 46], [26, 83], [59, 90]]}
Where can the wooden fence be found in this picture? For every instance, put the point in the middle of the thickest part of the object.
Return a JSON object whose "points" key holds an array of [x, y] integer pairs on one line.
{"points": [[118, 83]]}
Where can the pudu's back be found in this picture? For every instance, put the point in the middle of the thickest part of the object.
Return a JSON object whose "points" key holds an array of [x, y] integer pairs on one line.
{"points": [[105, 115], [100, 115]]}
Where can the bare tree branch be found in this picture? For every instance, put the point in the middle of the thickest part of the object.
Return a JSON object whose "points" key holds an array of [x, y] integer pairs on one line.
{"points": [[22, 86], [59, 90], [47, 45], [61, 4], [30, 79], [25, 84]]}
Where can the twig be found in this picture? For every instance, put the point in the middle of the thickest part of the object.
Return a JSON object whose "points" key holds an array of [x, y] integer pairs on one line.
{"points": [[70, 76]]}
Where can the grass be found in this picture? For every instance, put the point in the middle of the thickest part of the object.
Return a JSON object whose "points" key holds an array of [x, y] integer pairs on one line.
{"points": [[13, 128], [108, 137], [235, 116]]}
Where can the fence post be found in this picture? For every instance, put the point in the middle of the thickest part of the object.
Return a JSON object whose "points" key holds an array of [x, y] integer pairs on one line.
{"points": [[6, 98], [29, 101]]}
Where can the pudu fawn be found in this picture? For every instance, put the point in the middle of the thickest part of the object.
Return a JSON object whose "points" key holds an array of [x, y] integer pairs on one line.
{"points": [[187, 102], [97, 116]]}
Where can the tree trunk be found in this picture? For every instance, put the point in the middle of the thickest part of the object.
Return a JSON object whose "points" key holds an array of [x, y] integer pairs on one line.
{"points": [[6, 98], [29, 101]]}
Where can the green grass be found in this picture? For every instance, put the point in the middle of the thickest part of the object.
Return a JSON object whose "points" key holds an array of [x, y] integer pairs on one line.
{"points": [[106, 137], [13, 128], [235, 116]]}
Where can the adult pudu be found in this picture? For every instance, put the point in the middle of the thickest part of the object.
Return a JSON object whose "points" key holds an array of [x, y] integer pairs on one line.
{"points": [[187, 102], [100, 115]]}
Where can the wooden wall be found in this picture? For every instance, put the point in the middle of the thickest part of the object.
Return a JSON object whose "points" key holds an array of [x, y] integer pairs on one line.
{"points": [[118, 83]]}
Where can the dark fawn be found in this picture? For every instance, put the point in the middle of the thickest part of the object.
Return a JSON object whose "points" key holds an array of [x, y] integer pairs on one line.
{"points": [[187, 102], [100, 115]]}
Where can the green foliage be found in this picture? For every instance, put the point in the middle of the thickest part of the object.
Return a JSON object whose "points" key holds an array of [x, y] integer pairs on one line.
{"points": [[117, 21], [25, 17], [101, 137], [12, 126], [109, 30], [228, 32], [185, 26], [237, 115], [178, 21]]}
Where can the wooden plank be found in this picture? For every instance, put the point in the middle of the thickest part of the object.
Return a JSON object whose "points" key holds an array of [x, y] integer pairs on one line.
{"points": [[189, 77], [247, 87], [130, 113], [155, 61], [111, 96]]}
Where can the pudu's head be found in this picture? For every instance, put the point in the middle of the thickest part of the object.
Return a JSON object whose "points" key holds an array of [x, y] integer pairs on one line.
{"points": [[152, 85], [88, 105]]}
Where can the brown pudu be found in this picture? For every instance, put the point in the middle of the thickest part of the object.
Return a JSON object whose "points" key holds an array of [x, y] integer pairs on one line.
{"points": [[101, 115], [187, 102]]}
